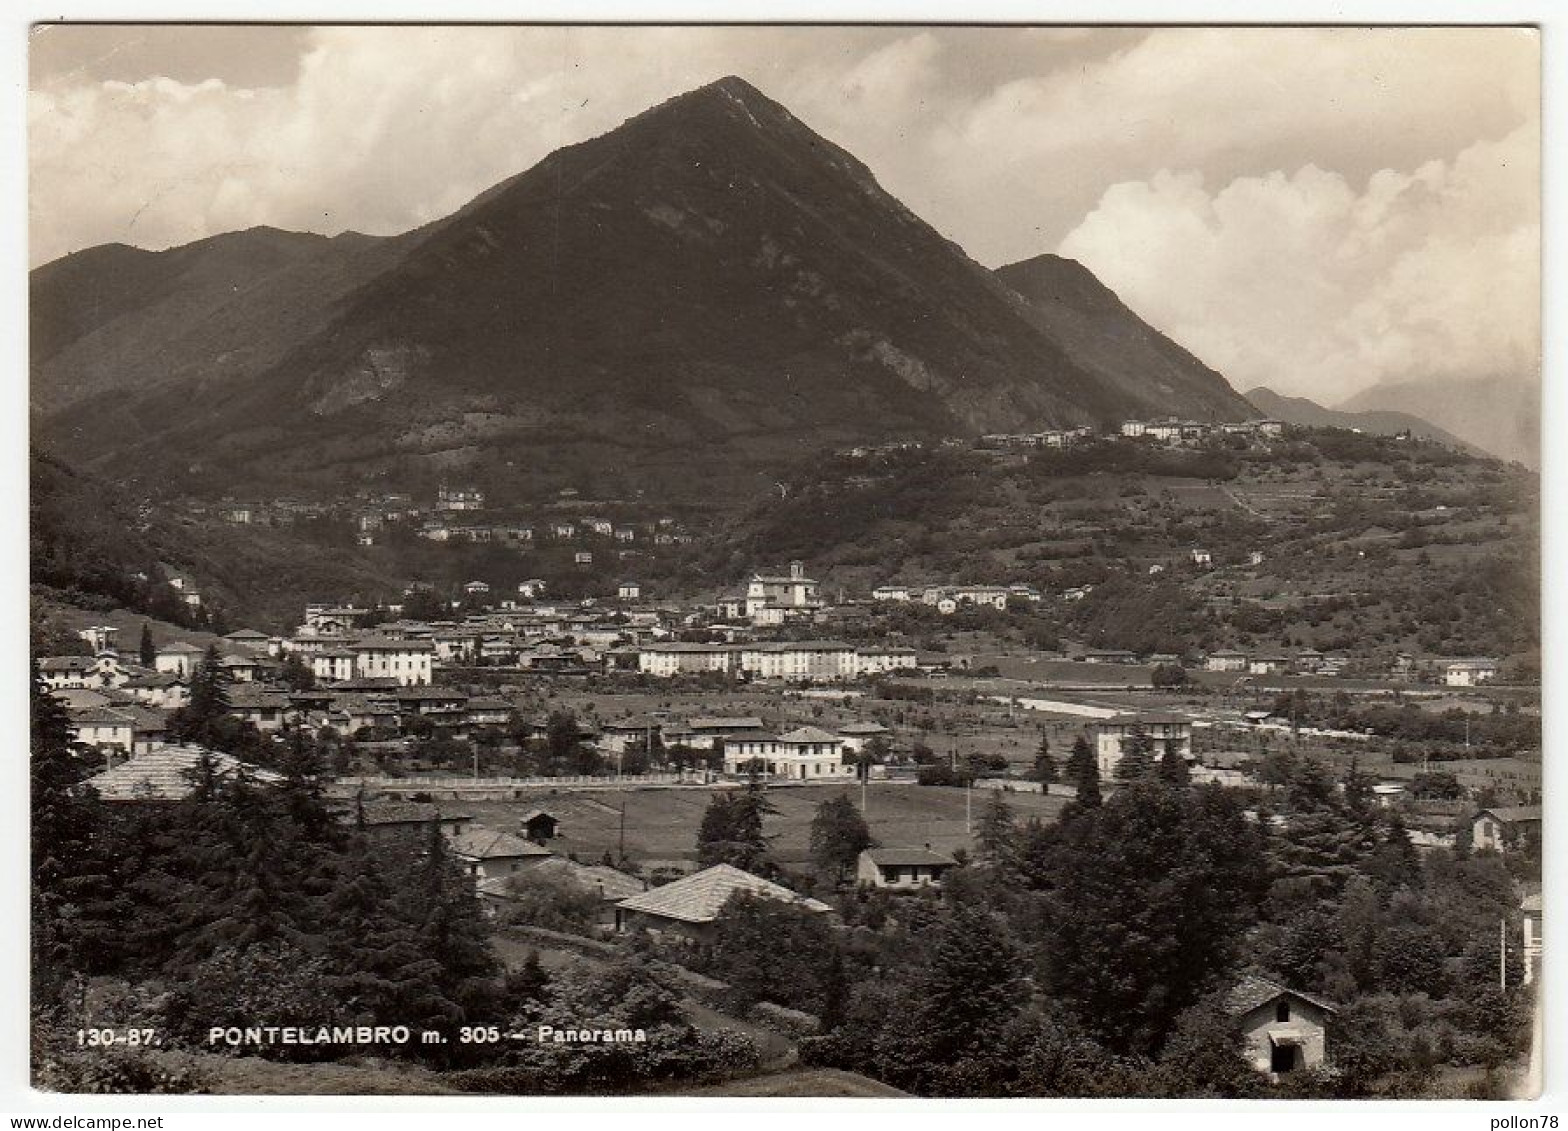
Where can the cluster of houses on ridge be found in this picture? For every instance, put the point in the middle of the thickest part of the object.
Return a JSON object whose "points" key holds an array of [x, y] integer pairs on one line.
{"points": [[1168, 431], [1468, 672], [457, 514]]}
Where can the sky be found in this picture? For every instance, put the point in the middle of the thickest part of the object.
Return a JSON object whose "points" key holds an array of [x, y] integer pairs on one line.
{"points": [[1315, 210]]}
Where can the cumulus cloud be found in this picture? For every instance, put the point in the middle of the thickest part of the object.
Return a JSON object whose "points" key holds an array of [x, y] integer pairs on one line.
{"points": [[1311, 285], [1205, 173]]}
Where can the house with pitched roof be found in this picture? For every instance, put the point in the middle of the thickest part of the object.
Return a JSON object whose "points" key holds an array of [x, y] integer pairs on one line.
{"points": [[857, 736], [1282, 1030], [902, 869], [803, 754], [491, 854], [1504, 828], [687, 908], [407, 661], [386, 818], [168, 773], [707, 731], [103, 728], [60, 672], [1469, 672], [608, 884], [253, 640], [179, 659]]}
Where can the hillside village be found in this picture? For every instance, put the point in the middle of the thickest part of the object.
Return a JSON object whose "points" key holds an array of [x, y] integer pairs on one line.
{"points": [[574, 748], [666, 691]]}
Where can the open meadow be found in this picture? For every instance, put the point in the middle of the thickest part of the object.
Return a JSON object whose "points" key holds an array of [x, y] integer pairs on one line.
{"points": [[661, 824]]}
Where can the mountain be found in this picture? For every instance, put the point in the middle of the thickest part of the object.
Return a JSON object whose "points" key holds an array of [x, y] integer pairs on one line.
{"points": [[1380, 422], [1501, 415], [1108, 340], [711, 275], [114, 318]]}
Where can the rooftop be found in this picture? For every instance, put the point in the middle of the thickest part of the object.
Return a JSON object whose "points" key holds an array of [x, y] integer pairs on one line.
{"points": [[726, 722], [1252, 991], [909, 858], [698, 897], [164, 773], [608, 883], [809, 734], [1513, 814], [388, 644], [1146, 718], [480, 843]]}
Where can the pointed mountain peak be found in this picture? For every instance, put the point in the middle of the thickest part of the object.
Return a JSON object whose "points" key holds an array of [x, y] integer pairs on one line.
{"points": [[732, 96]]}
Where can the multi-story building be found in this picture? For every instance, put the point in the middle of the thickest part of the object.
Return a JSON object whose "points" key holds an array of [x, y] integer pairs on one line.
{"points": [[770, 599], [407, 661], [1163, 730]]}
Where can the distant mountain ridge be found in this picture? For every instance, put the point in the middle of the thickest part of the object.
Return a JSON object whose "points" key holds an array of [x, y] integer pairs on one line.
{"points": [[1109, 340], [1500, 414], [1308, 413], [712, 275]]}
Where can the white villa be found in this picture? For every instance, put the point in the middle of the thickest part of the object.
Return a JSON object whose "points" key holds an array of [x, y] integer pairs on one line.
{"points": [[805, 754]]}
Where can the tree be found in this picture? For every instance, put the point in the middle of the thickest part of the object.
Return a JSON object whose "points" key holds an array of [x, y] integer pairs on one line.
{"points": [[996, 838], [1083, 772], [1357, 789], [65, 841], [968, 988], [1137, 760], [731, 830], [1203, 1056], [873, 753], [202, 720], [296, 673], [561, 735], [1172, 769], [1044, 764], [838, 836], [770, 950], [147, 651], [1168, 676], [1147, 900], [1436, 786]]}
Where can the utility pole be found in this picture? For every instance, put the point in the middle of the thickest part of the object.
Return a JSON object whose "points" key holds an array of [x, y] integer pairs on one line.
{"points": [[620, 851], [1502, 954]]}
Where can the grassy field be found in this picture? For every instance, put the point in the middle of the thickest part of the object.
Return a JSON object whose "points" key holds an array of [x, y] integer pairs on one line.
{"points": [[799, 1082], [255, 1076], [661, 824]]}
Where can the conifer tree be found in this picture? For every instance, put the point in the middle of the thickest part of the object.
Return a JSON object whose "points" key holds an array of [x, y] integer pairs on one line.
{"points": [[1044, 764], [1084, 773], [64, 839], [201, 719], [1172, 769], [1137, 760], [839, 835], [967, 989], [996, 838], [1357, 790], [147, 651], [731, 830]]}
